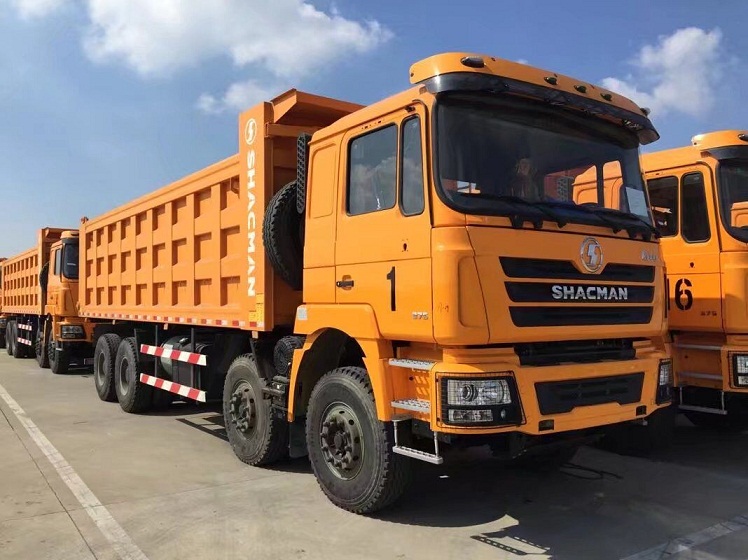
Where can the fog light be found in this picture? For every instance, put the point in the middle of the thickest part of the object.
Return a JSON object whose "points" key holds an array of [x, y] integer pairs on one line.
{"points": [[470, 416], [475, 392]]}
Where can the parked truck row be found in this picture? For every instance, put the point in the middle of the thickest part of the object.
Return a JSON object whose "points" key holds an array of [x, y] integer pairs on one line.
{"points": [[469, 262]]}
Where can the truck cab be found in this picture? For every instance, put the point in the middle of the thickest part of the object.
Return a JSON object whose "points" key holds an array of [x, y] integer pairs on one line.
{"points": [[699, 197], [66, 334]]}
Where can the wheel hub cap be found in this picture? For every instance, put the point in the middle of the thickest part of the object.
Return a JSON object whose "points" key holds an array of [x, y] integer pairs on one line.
{"points": [[242, 407], [341, 441]]}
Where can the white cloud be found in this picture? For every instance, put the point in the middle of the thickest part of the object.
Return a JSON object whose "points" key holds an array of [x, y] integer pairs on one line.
{"points": [[288, 37], [679, 73], [30, 9], [238, 97]]}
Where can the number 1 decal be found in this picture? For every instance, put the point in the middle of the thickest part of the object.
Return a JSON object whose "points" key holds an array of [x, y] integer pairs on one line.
{"points": [[391, 278]]}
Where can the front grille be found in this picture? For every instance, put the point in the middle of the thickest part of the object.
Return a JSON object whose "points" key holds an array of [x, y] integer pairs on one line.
{"points": [[542, 292], [517, 267], [556, 397], [579, 316], [575, 351]]}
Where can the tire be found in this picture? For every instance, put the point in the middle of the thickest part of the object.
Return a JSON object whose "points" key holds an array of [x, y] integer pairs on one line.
{"points": [[283, 353], [19, 350], [9, 340], [105, 356], [281, 234], [375, 477], [133, 396], [257, 436], [59, 360], [2, 340], [40, 346]]}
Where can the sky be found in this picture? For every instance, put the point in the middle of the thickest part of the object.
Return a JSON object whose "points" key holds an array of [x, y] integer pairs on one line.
{"points": [[102, 101]]}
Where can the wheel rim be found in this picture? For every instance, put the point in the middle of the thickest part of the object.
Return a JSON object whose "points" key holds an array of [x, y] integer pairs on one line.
{"points": [[124, 382], [100, 369], [243, 408], [341, 441]]}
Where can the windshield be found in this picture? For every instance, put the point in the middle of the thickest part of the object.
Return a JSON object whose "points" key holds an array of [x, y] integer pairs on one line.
{"points": [[501, 158], [733, 197], [70, 261]]}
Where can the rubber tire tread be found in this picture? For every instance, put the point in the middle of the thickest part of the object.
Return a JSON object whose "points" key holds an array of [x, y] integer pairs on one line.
{"points": [[283, 353], [9, 337], [61, 361], [140, 395], [274, 446], [19, 350], [41, 353], [2, 340], [108, 345], [281, 235], [395, 470]]}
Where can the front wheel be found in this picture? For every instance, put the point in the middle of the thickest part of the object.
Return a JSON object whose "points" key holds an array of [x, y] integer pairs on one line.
{"points": [[40, 346], [59, 360], [256, 435], [350, 449]]}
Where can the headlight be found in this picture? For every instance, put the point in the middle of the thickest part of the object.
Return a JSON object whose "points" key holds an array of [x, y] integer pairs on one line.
{"points": [[479, 401], [665, 382], [72, 331], [740, 369], [489, 392]]}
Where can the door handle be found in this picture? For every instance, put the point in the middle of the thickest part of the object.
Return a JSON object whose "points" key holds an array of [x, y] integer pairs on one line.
{"points": [[345, 284]]}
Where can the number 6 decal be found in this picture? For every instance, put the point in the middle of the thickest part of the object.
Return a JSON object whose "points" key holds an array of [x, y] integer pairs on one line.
{"points": [[681, 293]]}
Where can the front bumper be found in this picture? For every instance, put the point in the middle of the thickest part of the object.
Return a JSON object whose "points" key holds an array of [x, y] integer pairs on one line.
{"points": [[560, 398]]}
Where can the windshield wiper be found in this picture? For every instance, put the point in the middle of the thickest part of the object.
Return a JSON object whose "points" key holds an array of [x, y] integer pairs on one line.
{"points": [[517, 200], [614, 226], [630, 216]]}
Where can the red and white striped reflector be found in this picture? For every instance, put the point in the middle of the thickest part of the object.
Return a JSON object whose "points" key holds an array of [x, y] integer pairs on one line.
{"points": [[181, 390], [25, 327], [25, 341], [189, 357]]}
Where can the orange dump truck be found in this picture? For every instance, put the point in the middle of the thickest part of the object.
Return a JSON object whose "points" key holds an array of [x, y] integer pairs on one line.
{"points": [[40, 294], [373, 285], [3, 320], [699, 196]]}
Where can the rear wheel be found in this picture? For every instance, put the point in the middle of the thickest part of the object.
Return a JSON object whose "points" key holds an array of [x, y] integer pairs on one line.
{"points": [[133, 396], [256, 435], [9, 340], [59, 360], [19, 349], [40, 345], [105, 355], [350, 449], [2, 339]]}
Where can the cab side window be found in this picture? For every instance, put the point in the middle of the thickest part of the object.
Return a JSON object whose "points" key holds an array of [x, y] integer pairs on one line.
{"points": [[57, 263], [695, 216], [411, 170], [663, 196], [372, 171]]}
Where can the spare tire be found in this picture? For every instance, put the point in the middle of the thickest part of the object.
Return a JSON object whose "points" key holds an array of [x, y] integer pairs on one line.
{"points": [[282, 236]]}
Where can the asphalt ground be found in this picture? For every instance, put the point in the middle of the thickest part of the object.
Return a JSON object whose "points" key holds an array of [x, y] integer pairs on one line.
{"points": [[81, 479]]}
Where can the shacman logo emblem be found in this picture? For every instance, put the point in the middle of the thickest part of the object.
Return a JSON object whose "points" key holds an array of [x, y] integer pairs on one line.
{"points": [[591, 254], [250, 132]]}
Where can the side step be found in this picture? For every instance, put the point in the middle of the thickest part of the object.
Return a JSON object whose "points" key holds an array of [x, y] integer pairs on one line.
{"points": [[433, 458], [702, 409], [421, 365], [416, 405]]}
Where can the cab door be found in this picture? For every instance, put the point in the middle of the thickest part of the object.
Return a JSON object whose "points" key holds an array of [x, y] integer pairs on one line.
{"points": [[383, 237], [683, 206]]}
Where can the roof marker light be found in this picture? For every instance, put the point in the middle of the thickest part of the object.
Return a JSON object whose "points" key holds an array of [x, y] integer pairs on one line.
{"points": [[473, 61], [645, 111], [743, 136], [551, 80], [581, 89], [606, 96]]}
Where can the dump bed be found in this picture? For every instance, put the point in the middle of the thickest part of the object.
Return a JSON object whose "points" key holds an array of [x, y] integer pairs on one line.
{"points": [[21, 292], [192, 251]]}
